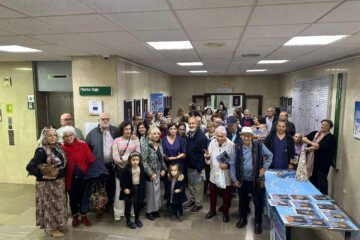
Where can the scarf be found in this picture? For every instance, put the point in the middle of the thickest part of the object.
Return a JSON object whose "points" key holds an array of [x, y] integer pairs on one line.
{"points": [[311, 155]]}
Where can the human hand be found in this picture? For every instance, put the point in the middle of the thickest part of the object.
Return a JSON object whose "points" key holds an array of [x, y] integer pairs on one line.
{"points": [[223, 166], [177, 190], [133, 136], [127, 191], [166, 157], [206, 153], [237, 184], [46, 177], [153, 177], [262, 172], [162, 173], [315, 146]]}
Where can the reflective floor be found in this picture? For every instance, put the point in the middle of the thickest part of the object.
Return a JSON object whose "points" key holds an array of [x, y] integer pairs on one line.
{"points": [[17, 221]]}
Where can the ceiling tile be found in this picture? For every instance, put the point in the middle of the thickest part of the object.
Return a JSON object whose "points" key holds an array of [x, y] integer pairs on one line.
{"points": [[62, 39], [290, 14], [84, 23], [180, 54], [270, 2], [220, 17], [56, 49], [20, 40], [112, 6], [145, 20], [47, 7], [108, 38], [212, 54], [214, 33], [5, 33], [346, 12], [332, 29], [229, 46], [28, 26], [160, 35], [191, 4], [289, 53], [278, 41], [7, 13], [274, 31]]}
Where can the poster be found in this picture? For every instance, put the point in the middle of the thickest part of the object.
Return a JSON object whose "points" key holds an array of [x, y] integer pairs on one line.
{"points": [[236, 101], [357, 120], [144, 106], [156, 102], [128, 110], [137, 107]]}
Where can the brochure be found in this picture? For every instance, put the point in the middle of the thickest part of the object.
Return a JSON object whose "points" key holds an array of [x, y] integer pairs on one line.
{"points": [[327, 206], [335, 215], [279, 203], [318, 222], [222, 157], [343, 225], [308, 212], [299, 197], [280, 196], [302, 204], [320, 197], [296, 220]]}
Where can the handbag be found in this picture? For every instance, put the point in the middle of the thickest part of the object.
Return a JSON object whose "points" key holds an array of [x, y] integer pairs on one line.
{"points": [[98, 198], [48, 169], [220, 179]]}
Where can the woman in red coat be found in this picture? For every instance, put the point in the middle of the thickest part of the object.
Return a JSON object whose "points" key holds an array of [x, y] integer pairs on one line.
{"points": [[78, 157]]}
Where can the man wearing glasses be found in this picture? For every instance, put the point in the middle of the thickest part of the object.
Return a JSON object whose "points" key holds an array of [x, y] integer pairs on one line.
{"points": [[66, 119]]}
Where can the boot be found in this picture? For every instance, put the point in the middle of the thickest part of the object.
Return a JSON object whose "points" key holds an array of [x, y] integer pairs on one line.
{"points": [[85, 221], [75, 220]]}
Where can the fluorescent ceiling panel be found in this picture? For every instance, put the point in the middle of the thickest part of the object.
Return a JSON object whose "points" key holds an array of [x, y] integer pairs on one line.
{"points": [[17, 49], [190, 63], [256, 70], [198, 71], [171, 45], [313, 40], [272, 61]]}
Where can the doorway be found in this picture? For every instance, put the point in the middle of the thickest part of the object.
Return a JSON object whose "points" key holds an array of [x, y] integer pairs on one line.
{"points": [[254, 104]]}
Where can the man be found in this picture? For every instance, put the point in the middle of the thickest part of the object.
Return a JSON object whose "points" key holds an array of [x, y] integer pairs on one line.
{"points": [[233, 129], [66, 119], [270, 118], [196, 145], [136, 120], [246, 121], [247, 170], [216, 119], [148, 119], [100, 141], [290, 127]]}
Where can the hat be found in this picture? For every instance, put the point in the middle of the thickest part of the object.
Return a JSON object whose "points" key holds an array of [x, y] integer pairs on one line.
{"points": [[246, 130], [231, 120]]}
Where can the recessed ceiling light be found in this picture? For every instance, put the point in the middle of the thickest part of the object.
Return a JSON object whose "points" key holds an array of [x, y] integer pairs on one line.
{"points": [[171, 45], [190, 63], [198, 71], [130, 72], [17, 49], [214, 44], [313, 40], [23, 69], [272, 61], [256, 70], [250, 55]]}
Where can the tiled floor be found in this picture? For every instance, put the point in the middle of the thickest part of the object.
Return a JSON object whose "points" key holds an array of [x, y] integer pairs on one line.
{"points": [[17, 221]]}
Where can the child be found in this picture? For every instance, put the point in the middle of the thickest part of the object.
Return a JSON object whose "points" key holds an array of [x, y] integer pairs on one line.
{"points": [[177, 196], [132, 183]]}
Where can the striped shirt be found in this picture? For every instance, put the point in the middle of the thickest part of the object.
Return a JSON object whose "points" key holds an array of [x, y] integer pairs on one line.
{"points": [[119, 146]]}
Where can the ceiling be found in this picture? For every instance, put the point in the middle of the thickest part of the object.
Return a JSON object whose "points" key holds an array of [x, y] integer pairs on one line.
{"points": [[62, 29]]}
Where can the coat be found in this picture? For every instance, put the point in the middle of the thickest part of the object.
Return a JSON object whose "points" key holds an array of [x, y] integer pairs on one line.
{"points": [[178, 198], [195, 147], [127, 183], [269, 143], [150, 159]]}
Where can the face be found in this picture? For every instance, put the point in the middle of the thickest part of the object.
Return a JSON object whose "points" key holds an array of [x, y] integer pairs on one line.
{"points": [[247, 114], [148, 118], [208, 111], [104, 120], [159, 115], [325, 127], [138, 119], [127, 131], [246, 137], [174, 171], [66, 120], [221, 137], [217, 122], [135, 161], [283, 116], [211, 128], [221, 107], [51, 136], [270, 112], [155, 136], [198, 108], [297, 138], [232, 127], [142, 130], [68, 137], [192, 123], [182, 130], [256, 121], [173, 131], [281, 127]]}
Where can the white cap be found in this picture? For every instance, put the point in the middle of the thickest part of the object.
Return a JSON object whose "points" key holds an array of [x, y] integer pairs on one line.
{"points": [[246, 130]]}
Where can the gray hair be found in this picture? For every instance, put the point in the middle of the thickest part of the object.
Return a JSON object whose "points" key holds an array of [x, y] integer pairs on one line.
{"points": [[246, 111], [220, 129], [42, 139], [68, 130]]}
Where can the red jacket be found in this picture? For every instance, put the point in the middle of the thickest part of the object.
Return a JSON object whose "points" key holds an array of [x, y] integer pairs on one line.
{"points": [[77, 153]]}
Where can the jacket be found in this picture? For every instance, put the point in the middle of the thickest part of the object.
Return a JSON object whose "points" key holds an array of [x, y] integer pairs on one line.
{"points": [[94, 140], [178, 198], [326, 152], [243, 119], [195, 147], [290, 128], [127, 183], [150, 159], [269, 143], [237, 138]]}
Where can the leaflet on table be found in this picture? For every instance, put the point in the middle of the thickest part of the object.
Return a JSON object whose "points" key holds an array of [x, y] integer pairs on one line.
{"points": [[300, 197], [334, 215], [343, 225], [302, 204], [222, 157], [317, 222], [326, 206], [279, 203], [310, 213], [317, 197], [279, 196], [283, 173], [294, 220]]}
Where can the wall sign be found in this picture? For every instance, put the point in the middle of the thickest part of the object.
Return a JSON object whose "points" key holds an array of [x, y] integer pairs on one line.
{"points": [[95, 91]]}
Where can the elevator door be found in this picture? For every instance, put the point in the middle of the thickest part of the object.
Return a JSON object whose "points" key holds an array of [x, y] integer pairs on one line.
{"points": [[58, 103]]}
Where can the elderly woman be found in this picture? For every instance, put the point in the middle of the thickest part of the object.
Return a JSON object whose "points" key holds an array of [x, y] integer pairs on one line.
{"points": [[299, 147], [78, 157], [218, 156], [121, 149], [155, 167], [51, 209], [321, 147]]}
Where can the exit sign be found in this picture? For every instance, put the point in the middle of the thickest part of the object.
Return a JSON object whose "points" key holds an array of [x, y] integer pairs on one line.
{"points": [[95, 91]]}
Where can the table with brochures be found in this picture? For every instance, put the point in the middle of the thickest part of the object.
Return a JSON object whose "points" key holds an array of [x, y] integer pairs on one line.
{"points": [[291, 203]]}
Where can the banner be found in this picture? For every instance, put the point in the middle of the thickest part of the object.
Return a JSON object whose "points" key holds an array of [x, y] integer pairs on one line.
{"points": [[156, 102]]}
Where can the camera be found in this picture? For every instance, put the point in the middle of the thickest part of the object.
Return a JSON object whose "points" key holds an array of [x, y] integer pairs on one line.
{"points": [[106, 57]]}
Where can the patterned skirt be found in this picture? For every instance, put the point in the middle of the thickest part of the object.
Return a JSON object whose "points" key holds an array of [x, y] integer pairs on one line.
{"points": [[51, 206]]}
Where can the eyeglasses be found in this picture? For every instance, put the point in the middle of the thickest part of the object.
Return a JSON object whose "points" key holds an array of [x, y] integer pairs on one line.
{"points": [[66, 136], [181, 129], [105, 119], [67, 119]]}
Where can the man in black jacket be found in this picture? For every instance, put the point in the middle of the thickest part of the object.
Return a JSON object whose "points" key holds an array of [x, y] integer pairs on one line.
{"points": [[270, 118], [290, 127], [196, 145]]}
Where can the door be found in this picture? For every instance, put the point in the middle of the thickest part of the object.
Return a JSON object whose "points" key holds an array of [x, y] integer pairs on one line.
{"points": [[254, 104]]}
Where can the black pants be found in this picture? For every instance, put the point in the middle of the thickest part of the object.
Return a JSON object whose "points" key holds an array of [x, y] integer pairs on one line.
{"points": [[319, 180], [177, 209], [133, 201], [110, 184], [257, 195], [79, 193]]}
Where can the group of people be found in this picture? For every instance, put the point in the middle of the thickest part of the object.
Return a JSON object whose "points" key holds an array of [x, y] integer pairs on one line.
{"points": [[200, 151]]}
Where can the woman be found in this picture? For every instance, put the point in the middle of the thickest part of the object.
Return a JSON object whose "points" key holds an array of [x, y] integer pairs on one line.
{"points": [[141, 132], [321, 147], [168, 114], [155, 167], [260, 131], [299, 146], [210, 135], [218, 156], [51, 209], [207, 116], [157, 118], [282, 145], [182, 130], [179, 114], [78, 157], [121, 149]]}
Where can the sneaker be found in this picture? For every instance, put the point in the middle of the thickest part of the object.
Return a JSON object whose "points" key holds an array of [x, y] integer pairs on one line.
{"points": [[195, 209], [117, 218], [189, 204], [85, 221], [75, 220], [55, 233], [138, 223]]}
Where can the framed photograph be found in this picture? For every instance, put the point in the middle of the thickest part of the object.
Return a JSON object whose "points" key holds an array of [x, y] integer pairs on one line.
{"points": [[289, 106], [357, 120], [128, 110], [170, 102], [236, 101], [137, 107], [145, 107], [156, 102]]}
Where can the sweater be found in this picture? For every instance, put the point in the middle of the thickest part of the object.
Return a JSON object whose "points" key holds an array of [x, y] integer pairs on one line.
{"points": [[123, 147], [195, 148]]}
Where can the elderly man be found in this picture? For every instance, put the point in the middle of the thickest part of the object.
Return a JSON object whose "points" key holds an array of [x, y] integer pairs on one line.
{"points": [[290, 127], [246, 121], [100, 141], [148, 119], [270, 118], [196, 145], [66, 119], [247, 171], [233, 129]]}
